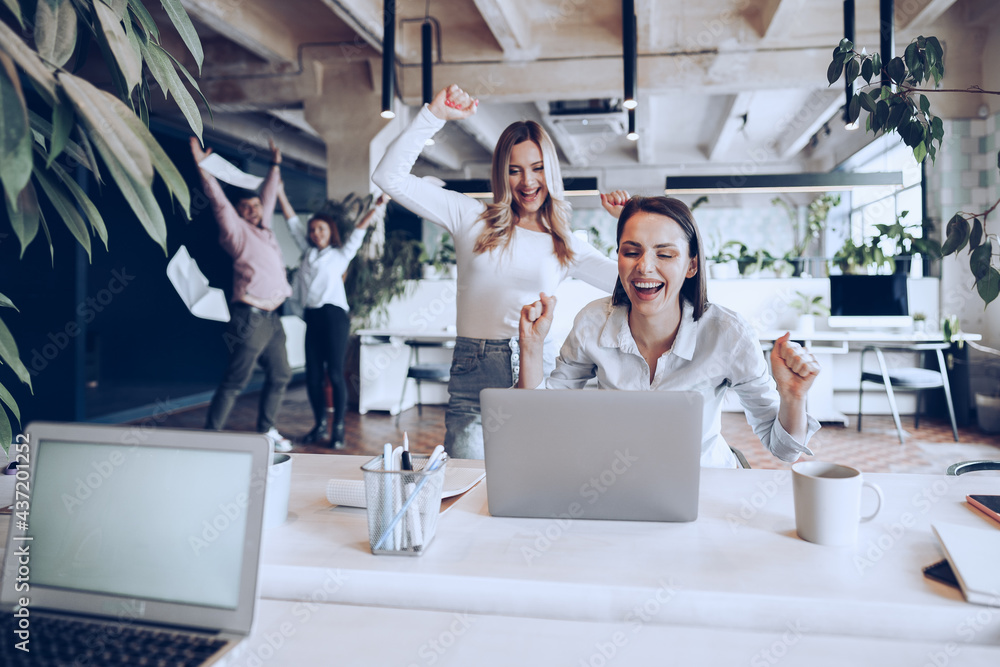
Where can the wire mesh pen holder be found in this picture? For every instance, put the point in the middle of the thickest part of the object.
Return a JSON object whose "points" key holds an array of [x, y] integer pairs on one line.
{"points": [[403, 505]]}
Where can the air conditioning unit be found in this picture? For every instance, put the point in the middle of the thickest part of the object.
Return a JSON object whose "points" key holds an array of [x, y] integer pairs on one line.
{"points": [[587, 118]]}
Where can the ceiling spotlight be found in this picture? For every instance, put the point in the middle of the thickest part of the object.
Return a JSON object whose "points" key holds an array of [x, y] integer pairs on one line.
{"points": [[630, 53], [632, 134], [388, 57], [852, 126]]}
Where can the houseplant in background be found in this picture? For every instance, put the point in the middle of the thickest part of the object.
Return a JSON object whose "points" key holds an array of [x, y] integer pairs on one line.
{"points": [[903, 245], [440, 264], [54, 122], [816, 215], [721, 261], [859, 258], [807, 308]]}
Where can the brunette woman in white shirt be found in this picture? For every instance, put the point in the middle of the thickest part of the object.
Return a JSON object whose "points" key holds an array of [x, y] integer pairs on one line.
{"points": [[319, 287], [507, 251], [659, 332]]}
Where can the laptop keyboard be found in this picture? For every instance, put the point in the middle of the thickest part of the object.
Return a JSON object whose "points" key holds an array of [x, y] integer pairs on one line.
{"points": [[70, 642]]}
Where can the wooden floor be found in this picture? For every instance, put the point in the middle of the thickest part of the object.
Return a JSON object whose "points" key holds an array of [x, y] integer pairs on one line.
{"points": [[929, 449]]}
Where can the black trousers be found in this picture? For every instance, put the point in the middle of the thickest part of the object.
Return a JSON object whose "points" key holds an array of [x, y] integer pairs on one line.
{"points": [[327, 329], [253, 336]]}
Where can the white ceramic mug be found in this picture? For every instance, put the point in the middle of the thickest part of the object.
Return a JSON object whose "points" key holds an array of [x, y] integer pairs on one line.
{"points": [[828, 502]]}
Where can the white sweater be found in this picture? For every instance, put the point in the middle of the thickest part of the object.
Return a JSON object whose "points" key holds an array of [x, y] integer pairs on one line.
{"points": [[492, 286]]}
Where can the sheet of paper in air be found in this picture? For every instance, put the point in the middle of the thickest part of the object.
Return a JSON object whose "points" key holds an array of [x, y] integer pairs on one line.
{"points": [[226, 171], [192, 286]]}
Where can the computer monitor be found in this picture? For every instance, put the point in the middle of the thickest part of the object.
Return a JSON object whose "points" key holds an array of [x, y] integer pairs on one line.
{"points": [[869, 302]]}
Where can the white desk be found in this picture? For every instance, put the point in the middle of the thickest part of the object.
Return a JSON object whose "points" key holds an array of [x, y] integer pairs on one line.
{"points": [[739, 567], [302, 634]]}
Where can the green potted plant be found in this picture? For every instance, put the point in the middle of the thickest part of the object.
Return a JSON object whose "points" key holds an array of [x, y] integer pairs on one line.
{"points": [[807, 308], [440, 263], [859, 259], [721, 260], [816, 214], [904, 245]]}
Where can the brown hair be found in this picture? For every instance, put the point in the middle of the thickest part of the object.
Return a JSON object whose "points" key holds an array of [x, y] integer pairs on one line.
{"points": [[335, 241], [694, 289], [499, 216]]}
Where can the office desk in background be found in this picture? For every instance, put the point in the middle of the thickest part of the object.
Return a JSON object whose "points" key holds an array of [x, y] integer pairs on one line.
{"points": [[384, 359], [738, 570], [830, 345]]}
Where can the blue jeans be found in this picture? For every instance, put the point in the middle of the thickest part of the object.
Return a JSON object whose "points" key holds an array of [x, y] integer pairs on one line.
{"points": [[476, 365]]}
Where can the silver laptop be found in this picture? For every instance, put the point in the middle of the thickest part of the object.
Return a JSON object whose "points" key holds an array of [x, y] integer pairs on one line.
{"points": [[124, 530], [589, 454]]}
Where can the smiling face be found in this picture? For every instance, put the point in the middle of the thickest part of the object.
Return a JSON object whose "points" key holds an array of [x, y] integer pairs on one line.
{"points": [[654, 262], [251, 210], [319, 233], [526, 176]]}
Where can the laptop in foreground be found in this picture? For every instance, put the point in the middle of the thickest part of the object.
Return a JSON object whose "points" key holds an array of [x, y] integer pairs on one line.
{"points": [[592, 454], [121, 531]]}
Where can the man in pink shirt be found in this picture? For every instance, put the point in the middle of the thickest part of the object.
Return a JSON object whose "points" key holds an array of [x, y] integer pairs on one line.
{"points": [[259, 288]]}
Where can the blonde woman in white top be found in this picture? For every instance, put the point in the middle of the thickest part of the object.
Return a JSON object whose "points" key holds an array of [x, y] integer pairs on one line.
{"points": [[507, 251], [658, 332]]}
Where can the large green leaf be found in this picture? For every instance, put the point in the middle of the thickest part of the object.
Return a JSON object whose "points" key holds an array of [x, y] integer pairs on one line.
{"points": [[182, 23], [194, 84], [62, 125], [128, 60], [15, 137], [55, 30], [142, 14], [48, 235], [6, 433], [979, 262], [163, 71], [64, 207], [12, 44], [15, 9], [48, 131], [9, 401], [9, 355], [24, 220], [956, 235], [81, 136], [989, 286], [114, 140], [7, 303], [164, 167], [86, 205]]}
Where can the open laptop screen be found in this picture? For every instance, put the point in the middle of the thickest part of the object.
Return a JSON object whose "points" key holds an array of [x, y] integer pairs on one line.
{"points": [[155, 523]]}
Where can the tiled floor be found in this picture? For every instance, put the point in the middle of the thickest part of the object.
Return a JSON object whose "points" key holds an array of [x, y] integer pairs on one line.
{"points": [[929, 449]]}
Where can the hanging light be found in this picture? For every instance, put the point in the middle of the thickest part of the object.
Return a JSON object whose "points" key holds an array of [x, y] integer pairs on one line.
{"points": [[632, 134], [426, 61], [630, 54], [388, 57], [849, 85]]}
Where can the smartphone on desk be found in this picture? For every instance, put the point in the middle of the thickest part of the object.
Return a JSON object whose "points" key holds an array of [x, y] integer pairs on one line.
{"points": [[988, 505]]}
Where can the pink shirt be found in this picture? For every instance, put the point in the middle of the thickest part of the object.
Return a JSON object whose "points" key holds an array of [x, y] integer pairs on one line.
{"points": [[259, 277]]}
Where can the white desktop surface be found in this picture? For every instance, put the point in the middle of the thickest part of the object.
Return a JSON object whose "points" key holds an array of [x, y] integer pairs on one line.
{"points": [[740, 566], [302, 634]]}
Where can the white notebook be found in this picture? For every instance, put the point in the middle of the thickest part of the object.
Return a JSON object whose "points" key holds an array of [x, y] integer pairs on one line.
{"points": [[973, 554]]}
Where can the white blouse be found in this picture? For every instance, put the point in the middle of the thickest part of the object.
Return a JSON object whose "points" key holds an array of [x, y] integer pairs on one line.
{"points": [[718, 352], [320, 278], [492, 286]]}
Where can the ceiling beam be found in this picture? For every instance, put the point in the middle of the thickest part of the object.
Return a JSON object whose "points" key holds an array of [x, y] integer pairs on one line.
{"points": [[364, 17], [507, 24], [797, 129], [733, 120], [917, 14], [253, 24], [760, 16]]}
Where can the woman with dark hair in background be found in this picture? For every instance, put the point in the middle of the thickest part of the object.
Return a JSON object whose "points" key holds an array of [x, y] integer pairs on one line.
{"points": [[319, 287], [506, 251], [658, 331]]}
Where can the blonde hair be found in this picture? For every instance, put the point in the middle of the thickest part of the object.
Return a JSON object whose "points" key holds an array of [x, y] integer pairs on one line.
{"points": [[500, 217]]}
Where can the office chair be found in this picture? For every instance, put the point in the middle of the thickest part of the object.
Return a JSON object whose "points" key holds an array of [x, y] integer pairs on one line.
{"points": [[907, 379], [439, 372], [739, 457], [963, 467]]}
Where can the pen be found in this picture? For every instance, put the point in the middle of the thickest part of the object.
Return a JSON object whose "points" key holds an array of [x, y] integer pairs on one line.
{"points": [[407, 464], [386, 490], [438, 458]]}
